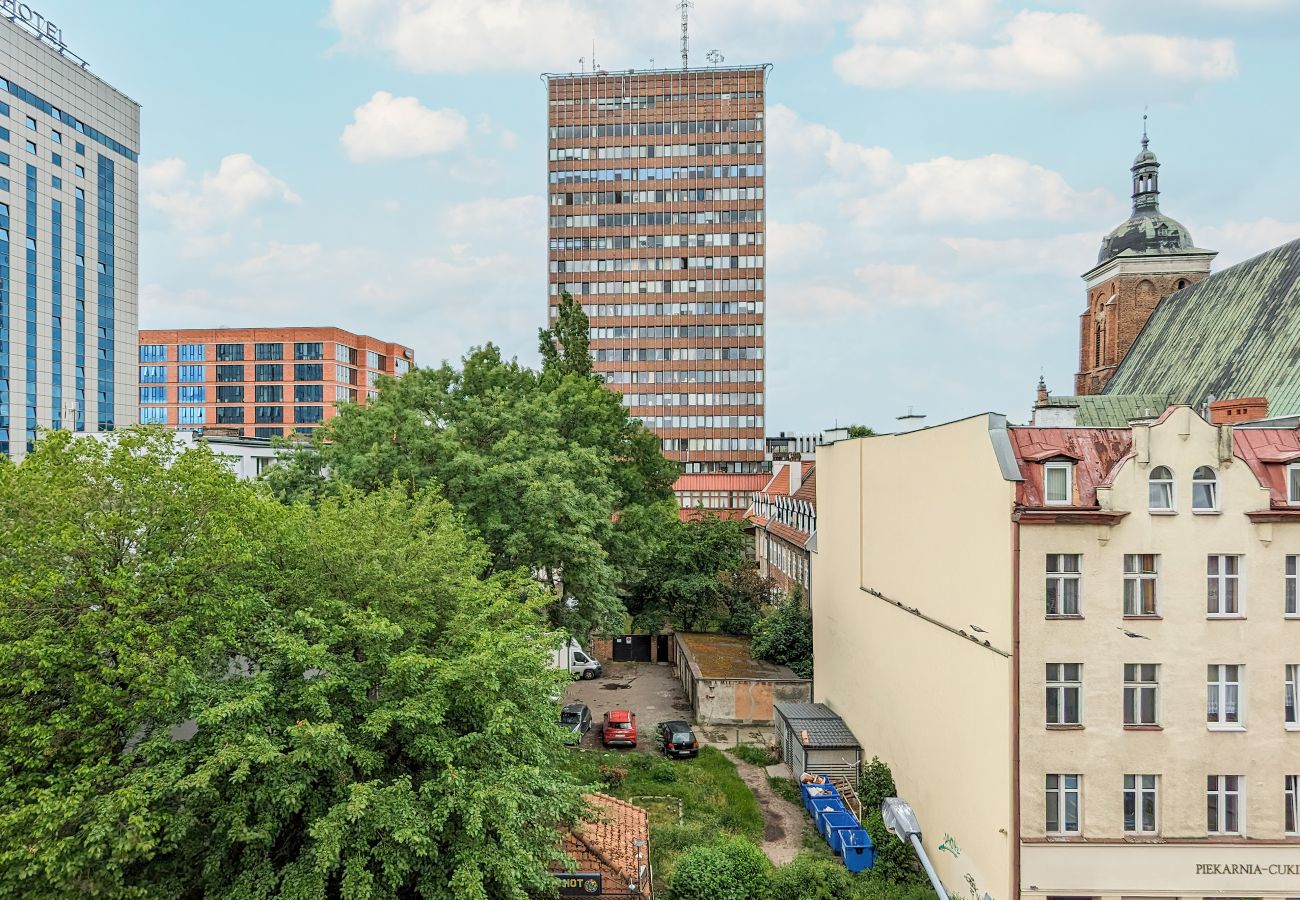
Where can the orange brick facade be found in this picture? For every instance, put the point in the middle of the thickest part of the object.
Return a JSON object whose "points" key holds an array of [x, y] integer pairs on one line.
{"points": [[260, 382], [657, 228], [1116, 312]]}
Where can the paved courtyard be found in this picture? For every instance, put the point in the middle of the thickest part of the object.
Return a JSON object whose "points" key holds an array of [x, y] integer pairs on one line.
{"points": [[648, 689]]}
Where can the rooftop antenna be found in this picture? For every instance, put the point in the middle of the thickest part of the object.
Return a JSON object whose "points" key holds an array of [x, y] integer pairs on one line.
{"points": [[594, 67], [582, 64], [715, 57], [910, 416], [685, 6], [1145, 139]]}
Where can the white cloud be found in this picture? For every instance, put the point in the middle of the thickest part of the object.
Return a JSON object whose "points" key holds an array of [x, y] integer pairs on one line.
{"points": [[1063, 254], [986, 189], [886, 20], [217, 200], [494, 216], [1238, 241], [793, 242], [387, 127], [1034, 51]]}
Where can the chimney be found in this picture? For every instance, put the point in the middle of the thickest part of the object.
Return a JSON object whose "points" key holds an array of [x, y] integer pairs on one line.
{"points": [[796, 474], [1043, 395], [1245, 409]]}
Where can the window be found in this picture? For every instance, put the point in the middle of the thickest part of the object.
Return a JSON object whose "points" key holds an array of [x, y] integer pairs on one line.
{"points": [[56, 137], [1223, 804], [190, 393], [1141, 689], [268, 351], [31, 123], [309, 372], [1205, 490], [308, 351], [1063, 584], [1223, 696], [81, 149], [1140, 803], [230, 394], [153, 395], [191, 352], [1293, 483], [1292, 564], [1064, 694], [344, 395], [268, 432], [268, 393], [1292, 691], [80, 170], [268, 372], [1161, 490], [1057, 488], [1223, 586], [230, 373], [268, 413], [230, 352], [190, 415], [308, 414], [31, 147], [230, 415], [189, 373], [1292, 797], [153, 353], [56, 159], [153, 415], [1062, 804], [153, 374], [1140, 575], [374, 360], [308, 393]]}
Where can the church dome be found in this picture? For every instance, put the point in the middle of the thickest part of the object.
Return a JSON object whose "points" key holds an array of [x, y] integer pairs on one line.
{"points": [[1147, 231]]}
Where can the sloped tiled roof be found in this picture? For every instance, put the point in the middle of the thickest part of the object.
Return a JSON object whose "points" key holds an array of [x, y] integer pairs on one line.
{"points": [[1111, 410], [1269, 452], [808, 490], [826, 730], [605, 842], [1235, 334], [1096, 450]]}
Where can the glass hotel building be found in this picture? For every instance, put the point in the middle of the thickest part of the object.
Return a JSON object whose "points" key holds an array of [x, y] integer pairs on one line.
{"points": [[656, 227], [69, 146]]}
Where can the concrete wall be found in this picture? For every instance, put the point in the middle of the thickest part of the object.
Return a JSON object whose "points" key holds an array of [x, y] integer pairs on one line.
{"points": [[924, 519], [1183, 641], [745, 702]]}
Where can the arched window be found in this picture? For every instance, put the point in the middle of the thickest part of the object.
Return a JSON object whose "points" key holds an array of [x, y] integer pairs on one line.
{"points": [[1161, 489], [1205, 490]]}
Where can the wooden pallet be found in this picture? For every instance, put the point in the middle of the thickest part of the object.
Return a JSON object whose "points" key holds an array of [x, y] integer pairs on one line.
{"points": [[849, 795]]}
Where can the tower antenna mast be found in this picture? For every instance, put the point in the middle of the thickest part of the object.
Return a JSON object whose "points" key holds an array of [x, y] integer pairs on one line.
{"points": [[685, 6]]}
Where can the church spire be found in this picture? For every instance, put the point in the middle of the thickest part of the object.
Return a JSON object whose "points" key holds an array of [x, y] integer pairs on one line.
{"points": [[1146, 179]]}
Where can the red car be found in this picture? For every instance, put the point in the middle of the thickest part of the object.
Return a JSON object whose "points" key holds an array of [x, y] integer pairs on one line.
{"points": [[619, 729]]}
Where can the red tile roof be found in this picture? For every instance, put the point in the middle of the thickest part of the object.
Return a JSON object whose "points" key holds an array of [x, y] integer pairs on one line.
{"points": [[605, 843], [808, 490], [706, 482], [1268, 452], [1096, 453]]}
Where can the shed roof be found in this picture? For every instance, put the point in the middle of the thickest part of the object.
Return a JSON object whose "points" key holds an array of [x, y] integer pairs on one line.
{"points": [[826, 730], [727, 656], [1097, 451]]}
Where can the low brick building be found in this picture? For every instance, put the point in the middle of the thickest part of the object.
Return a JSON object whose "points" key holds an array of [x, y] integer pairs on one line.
{"points": [[725, 685], [611, 852]]}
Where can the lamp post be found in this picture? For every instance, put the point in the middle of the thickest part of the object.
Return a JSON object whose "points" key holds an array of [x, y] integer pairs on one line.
{"points": [[901, 820]]}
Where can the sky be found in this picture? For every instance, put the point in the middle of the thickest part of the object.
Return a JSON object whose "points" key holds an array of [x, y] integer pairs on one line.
{"points": [[940, 172]]}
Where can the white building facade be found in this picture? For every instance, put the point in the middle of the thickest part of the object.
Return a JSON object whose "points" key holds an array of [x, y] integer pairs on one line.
{"points": [[69, 171]]}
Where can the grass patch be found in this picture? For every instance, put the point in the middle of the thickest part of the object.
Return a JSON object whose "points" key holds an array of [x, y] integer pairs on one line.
{"points": [[754, 755], [714, 799], [785, 787]]}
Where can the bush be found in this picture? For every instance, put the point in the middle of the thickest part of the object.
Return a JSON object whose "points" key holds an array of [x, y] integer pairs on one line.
{"points": [[787, 789], [784, 636], [731, 870], [612, 776], [896, 862], [877, 784], [755, 756], [813, 878]]}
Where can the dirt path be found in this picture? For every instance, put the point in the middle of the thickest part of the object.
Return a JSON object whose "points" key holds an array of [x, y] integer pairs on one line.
{"points": [[783, 822]]}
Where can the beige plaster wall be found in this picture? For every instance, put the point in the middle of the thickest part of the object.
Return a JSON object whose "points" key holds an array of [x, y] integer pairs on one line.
{"points": [[924, 518]]}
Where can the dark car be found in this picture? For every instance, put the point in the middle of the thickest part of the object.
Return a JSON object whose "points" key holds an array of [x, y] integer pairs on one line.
{"points": [[619, 728], [576, 718], [677, 740]]}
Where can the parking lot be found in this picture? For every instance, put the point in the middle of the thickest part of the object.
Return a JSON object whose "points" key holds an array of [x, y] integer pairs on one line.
{"points": [[645, 688]]}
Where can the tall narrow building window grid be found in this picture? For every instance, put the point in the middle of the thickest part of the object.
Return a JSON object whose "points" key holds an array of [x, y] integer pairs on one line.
{"points": [[1291, 796], [1223, 586], [1062, 807], [1141, 584], [1291, 605], [1224, 809], [1141, 804], [1064, 696], [1063, 584], [1224, 704], [1291, 698], [1141, 694]]}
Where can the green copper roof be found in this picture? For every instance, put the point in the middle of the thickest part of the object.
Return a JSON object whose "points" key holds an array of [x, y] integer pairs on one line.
{"points": [[1105, 411], [1235, 334]]}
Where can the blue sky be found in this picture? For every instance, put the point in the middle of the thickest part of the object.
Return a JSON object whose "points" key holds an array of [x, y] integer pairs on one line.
{"points": [[940, 171]]}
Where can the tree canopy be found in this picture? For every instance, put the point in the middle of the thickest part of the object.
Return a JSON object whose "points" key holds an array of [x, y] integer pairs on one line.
{"points": [[546, 467], [204, 692]]}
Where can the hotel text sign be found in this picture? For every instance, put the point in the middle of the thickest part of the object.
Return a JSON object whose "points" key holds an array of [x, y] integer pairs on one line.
{"points": [[35, 22]]}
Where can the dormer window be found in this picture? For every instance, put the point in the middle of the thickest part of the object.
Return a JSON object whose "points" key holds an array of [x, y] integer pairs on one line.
{"points": [[1205, 490], [1293, 483], [1058, 483], [1161, 491]]}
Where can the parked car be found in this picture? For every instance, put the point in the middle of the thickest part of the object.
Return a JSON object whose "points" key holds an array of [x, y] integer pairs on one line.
{"points": [[676, 740], [576, 718], [619, 728], [572, 657]]}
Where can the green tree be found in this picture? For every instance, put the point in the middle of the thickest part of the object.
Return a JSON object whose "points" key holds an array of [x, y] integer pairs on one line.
{"points": [[544, 467], [861, 431], [896, 862], [685, 578], [784, 636], [565, 347], [729, 870], [206, 693]]}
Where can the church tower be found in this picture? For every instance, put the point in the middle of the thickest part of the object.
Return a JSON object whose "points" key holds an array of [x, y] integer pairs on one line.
{"points": [[1142, 262]]}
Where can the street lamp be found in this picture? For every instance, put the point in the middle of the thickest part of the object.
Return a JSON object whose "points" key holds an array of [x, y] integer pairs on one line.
{"points": [[901, 820]]}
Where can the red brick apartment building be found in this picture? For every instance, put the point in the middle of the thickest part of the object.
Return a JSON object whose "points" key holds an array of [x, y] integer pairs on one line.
{"points": [[656, 227], [260, 382]]}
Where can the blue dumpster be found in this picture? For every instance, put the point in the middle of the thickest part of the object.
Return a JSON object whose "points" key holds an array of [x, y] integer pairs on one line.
{"points": [[856, 849], [830, 824], [813, 792], [827, 807]]}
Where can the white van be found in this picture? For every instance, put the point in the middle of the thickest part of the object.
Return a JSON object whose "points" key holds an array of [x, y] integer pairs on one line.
{"points": [[572, 657]]}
